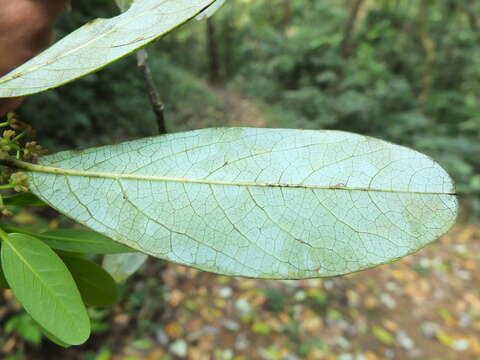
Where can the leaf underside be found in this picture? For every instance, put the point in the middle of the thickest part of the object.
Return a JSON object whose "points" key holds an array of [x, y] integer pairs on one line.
{"points": [[264, 203], [99, 43]]}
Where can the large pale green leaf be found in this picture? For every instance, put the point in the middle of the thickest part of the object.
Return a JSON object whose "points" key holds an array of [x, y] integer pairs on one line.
{"points": [[98, 44], [263, 203], [44, 286]]}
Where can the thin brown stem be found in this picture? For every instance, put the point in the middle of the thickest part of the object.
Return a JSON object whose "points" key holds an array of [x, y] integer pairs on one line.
{"points": [[153, 93]]}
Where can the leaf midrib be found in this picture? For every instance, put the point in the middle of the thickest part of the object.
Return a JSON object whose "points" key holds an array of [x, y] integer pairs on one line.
{"points": [[115, 176]]}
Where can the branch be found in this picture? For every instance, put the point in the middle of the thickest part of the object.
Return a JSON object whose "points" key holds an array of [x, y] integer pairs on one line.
{"points": [[154, 95]]}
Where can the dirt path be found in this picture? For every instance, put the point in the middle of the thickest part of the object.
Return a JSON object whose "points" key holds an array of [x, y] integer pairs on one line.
{"points": [[242, 111]]}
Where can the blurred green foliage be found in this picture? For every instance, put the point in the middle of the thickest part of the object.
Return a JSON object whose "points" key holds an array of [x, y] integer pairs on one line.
{"points": [[409, 74]]}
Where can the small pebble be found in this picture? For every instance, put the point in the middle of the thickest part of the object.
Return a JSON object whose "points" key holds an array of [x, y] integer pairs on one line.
{"points": [[328, 284], [343, 342], [361, 357], [179, 348], [461, 345], [300, 295], [430, 329], [162, 337], [243, 306], [241, 343], [404, 340], [231, 325], [389, 354], [388, 301], [225, 292], [465, 319]]}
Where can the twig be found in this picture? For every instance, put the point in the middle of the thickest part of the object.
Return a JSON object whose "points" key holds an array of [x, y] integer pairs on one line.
{"points": [[154, 95]]}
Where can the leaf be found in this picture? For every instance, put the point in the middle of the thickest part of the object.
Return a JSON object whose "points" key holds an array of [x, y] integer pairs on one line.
{"points": [[99, 43], [96, 286], [53, 338], [82, 241], [42, 284], [210, 11], [121, 266], [383, 335], [267, 203], [22, 199]]}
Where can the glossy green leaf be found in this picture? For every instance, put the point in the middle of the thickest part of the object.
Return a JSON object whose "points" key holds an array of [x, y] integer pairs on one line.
{"points": [[82, 241], [99, 43], [121, 266], [268, 203], [96, 285], [43, 285]]}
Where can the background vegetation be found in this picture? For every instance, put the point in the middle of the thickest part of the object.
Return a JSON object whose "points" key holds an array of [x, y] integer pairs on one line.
{"points": [[407, 71]]}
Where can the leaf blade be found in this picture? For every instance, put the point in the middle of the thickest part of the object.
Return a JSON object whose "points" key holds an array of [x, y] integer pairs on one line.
{"points": [[82, 241], [263, 203], [45, 288], [111, 39], [96, 286]]}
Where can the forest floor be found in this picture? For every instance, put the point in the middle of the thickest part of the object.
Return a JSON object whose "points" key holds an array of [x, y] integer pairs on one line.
{"points": [[425, 306], [243, 111]]}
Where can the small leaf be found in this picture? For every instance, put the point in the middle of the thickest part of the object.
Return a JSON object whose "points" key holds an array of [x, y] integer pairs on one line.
{"points": [[383, 335], [43, 285], [23, 199], [99, 43], [96, 286], [82, 241], [121, 266], [266, 203]]}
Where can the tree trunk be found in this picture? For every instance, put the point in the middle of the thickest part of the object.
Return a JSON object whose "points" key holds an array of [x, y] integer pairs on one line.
{"points": [[470, 12], [212, 53], [347, 45], [429, 49], [287, 15]]}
